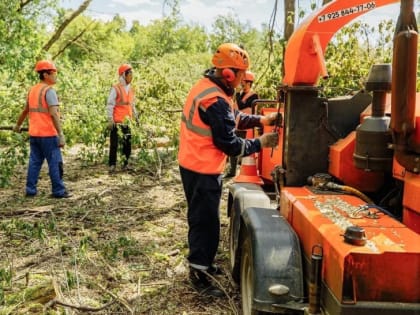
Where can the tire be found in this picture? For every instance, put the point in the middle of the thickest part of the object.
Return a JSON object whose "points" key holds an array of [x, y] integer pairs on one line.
{"points": [[247, 278], [234, 250]]}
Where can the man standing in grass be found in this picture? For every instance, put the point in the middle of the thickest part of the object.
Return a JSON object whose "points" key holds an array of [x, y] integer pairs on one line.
{"points": [[46, 134]]}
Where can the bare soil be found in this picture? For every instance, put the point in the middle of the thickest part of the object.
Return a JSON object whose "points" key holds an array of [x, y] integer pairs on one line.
{"points": [[117, 246]]}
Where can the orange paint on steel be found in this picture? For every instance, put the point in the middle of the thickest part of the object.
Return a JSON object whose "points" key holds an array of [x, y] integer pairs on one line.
{"points": [[341, 166], [385, 269], [411, 197], [304, 59]]}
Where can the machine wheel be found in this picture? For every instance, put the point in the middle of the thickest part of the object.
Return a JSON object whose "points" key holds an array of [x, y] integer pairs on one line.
{"points": [[247, 276], [234, 251]]}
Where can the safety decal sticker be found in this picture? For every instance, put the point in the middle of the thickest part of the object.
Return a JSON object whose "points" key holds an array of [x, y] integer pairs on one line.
{"points": [[347, 11]]}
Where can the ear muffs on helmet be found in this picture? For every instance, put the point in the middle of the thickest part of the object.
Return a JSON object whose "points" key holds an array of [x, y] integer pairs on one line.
{"points": [[228, 74]]}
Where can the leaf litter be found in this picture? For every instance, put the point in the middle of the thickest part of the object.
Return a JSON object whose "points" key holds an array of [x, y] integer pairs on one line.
{"points": [[117, 246]]}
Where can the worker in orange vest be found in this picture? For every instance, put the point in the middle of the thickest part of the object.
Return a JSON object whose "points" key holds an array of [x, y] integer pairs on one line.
{"points": [[246, 97], [207, 137], [244, 102], [121, 109], [45, 133]]}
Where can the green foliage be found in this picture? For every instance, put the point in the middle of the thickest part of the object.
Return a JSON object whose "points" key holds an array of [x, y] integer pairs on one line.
{"points": [[6, 276], [26, 229], [168, 35], [229, 29], [165, 36], [351, 54], [71, 279], [168, 56], [95, 43], [123, 247], [12, 155], [20, 43], [266, 62]]}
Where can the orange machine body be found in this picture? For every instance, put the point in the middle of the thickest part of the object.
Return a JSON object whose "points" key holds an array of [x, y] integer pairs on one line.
{"points": [[323, 192], [308, 43], [342, 167], [386, 268]]}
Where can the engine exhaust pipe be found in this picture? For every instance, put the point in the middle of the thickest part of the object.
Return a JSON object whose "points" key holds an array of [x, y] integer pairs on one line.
{"points": [[403, 97]]}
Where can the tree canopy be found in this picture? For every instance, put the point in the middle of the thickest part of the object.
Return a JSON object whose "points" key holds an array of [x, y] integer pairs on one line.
{"points": [[168, 56]]}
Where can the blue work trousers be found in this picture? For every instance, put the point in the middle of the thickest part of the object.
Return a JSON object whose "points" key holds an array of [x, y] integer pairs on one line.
{"points": [[45, 148], [203, 193]]}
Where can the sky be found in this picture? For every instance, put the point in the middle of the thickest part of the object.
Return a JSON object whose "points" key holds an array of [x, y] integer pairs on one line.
{"points": [[204, 12]]}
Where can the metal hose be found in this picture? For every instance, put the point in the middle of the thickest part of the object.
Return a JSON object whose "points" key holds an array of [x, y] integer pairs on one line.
{"points": [[351, 190]]}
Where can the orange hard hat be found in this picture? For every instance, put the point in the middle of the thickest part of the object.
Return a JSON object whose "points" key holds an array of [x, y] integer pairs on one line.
{"points": [[230, 55], [44, 65], [123, 68], [249, 76]]}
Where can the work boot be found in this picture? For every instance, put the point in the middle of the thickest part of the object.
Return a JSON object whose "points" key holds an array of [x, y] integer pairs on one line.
{"points": [[202, 284], [66, 194]]}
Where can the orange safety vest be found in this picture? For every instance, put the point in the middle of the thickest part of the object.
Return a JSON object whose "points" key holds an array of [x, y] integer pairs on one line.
{"points": [[197, 151], [123, 103], [40, 121], [247, 110]]}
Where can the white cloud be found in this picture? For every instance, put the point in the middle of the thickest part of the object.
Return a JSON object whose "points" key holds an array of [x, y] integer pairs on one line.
{"points": [[134, 3], [197, 12], [143, 16], [204, 12]]}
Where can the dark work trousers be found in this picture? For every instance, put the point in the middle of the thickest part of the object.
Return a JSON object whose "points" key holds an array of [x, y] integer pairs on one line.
{"points": [[124, 136], [203, 193]]}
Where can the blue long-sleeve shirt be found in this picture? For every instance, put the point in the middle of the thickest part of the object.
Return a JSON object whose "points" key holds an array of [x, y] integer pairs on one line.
{"points": [[221, 120]]}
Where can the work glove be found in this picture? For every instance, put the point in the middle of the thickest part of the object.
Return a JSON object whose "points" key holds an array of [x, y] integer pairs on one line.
{"points": [[61, 140], [16, 128], [274, 119], [269, 140]]}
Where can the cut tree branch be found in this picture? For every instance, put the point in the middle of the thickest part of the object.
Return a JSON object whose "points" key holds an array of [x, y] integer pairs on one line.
{"points": [[79, 307], [71, 41], [23, 3], [66, 22]]}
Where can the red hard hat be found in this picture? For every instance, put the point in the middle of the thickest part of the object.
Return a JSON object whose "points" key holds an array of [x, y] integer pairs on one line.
{"points": [[249, 76], [123, 68], [230, 55], [44, 65]]}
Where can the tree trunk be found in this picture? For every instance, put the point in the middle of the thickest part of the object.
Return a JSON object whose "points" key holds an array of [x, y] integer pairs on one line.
{"points": [[289, 24], [289, 18]]}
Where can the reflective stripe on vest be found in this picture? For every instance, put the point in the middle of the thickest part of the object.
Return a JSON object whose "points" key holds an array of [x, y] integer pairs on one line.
{"points": [[39, 108], [205, 132], [40, 121], [197, 151], [123, 103]]}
